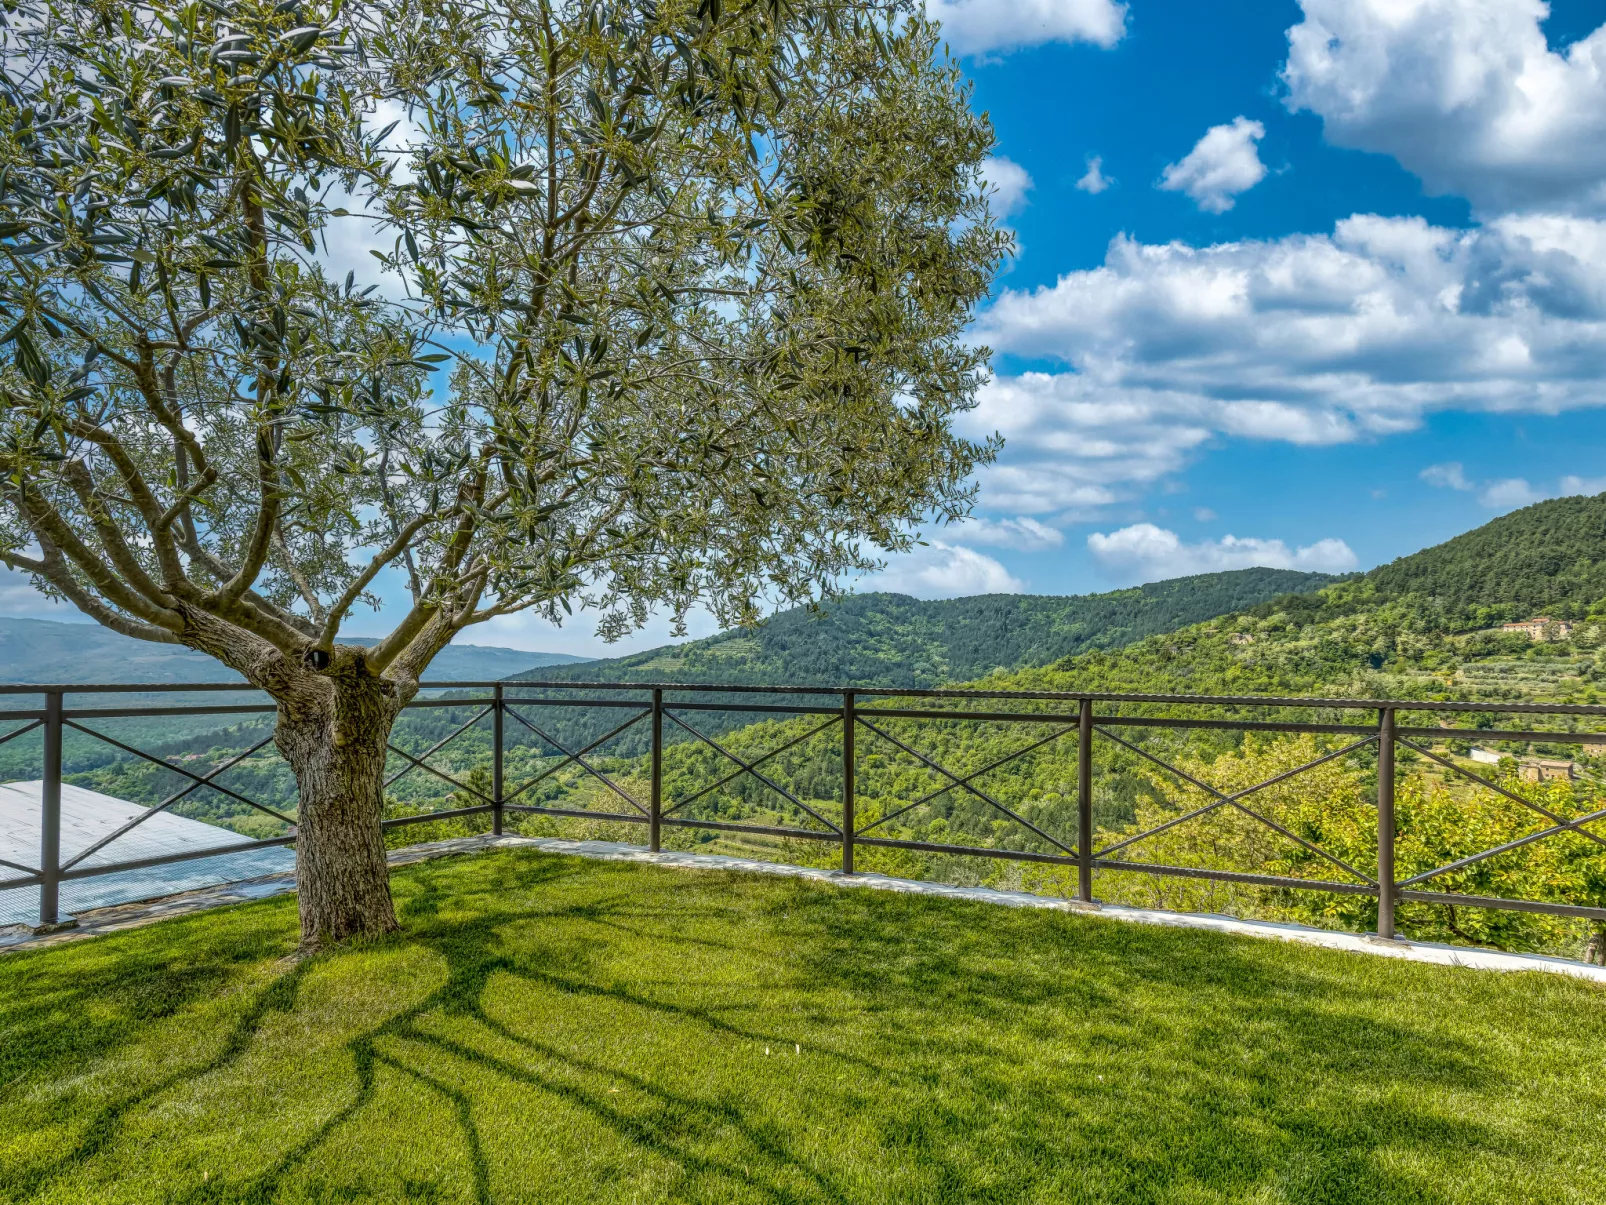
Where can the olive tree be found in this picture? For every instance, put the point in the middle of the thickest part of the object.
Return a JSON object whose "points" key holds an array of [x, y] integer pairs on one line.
{"points": [[666, 308]]}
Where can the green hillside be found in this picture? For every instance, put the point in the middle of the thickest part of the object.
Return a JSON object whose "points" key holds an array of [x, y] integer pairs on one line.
{"points": [[42, 650], [1424, 626], [1547, 558], [1550, 556], [895, 640]]}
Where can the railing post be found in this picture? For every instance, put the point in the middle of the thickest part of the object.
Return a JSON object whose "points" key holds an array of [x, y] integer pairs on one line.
{"points": [[50, 815], [656, 814], [496, 763], [1385, 822], [848, 787], [1084, 803]]}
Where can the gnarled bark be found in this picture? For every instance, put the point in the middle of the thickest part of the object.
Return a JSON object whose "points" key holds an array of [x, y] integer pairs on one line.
{"points": [[333, 727], [337, 752]]}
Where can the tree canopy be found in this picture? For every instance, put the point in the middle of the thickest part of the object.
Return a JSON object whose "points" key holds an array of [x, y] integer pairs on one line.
{"points": [[671, 309]]}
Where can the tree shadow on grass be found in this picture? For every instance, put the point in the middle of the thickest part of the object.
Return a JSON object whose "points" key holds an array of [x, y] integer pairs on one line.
{"points": [[953, 995], [78, 1005], [1230, 1066], [102, 1128], [677, 1127]]}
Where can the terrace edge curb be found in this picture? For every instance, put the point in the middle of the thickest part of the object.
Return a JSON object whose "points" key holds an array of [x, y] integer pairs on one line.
{"points": [[139, 914]]}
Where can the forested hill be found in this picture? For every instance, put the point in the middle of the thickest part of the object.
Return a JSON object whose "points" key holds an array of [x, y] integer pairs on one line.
{"points": [[1547, 558], [895, 640], [1426, 625]]}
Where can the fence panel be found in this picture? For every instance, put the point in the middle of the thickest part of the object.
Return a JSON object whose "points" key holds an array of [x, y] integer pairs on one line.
{"points": [[1091, 787]]}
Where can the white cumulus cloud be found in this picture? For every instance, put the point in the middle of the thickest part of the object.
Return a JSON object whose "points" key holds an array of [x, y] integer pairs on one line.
{"points": [[1446, 476], [985, 26], [1009, 183], [1510, 493], [1309, 339], [1144, 552], [1023, 533], [1222, 164], [1071, 443], [1573, 484], [1094, 180], [1464, 93], [943, 570]]}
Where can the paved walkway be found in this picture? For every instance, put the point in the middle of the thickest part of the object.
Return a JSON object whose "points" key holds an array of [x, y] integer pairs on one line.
{"points": [[128, 916], [146, 912]]}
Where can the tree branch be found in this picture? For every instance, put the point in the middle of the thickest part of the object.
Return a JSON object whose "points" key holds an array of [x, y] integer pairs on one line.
{"points": [[302, 585], [144, 500], [382, 654], [50, 529], [341, 605], [121, 555], [56, 571]]}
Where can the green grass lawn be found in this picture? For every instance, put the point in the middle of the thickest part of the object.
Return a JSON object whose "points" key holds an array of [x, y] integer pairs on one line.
{"points": [[554, 1029]]}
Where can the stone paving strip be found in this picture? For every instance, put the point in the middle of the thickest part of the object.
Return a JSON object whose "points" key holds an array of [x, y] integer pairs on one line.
{"points": [[128, 916]]}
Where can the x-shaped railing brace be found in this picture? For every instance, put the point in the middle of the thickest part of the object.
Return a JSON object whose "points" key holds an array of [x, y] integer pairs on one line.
{"points": [[964, 780], [1559, 824], [418, 762], [748, 767], [1225, 800], [968, 785], [198, 779], [751, 768], [11, 736], [579, 758], [205, 780]]}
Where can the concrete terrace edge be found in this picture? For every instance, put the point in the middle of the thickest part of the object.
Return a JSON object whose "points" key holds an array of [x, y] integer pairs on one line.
{"points": [[133, 915]]}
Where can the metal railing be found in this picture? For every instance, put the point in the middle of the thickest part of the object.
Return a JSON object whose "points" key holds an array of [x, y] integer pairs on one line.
{"points": [[1068, 716]]}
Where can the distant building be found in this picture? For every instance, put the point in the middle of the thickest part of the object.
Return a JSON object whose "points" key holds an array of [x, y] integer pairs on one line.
{"points": [[1488, 757], [1541, 627], [1547, 769], [88, 816], [1240, 638]]}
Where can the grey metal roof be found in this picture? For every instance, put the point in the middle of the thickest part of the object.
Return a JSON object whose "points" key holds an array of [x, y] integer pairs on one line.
{"points": [[86, 817]]}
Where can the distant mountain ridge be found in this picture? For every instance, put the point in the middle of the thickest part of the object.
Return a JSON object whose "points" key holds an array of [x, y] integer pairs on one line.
{"points": [[1548, 557], [43, 650], [890, 640], [1424, 626]]}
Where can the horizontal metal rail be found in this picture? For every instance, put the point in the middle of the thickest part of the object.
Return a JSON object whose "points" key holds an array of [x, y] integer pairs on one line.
{"points": [[1491, 901], [479, 809], [894, 717], [188, 855], [1190, 700]]}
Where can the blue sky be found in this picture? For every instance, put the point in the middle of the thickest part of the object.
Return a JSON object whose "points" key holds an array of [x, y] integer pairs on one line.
{"points": [[1335, 292], [1311, 283]]}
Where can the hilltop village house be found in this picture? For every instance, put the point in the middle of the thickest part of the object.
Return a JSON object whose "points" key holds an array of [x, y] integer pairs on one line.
{"points": [[1532, 769], [1547, 769], [1541, 627]]}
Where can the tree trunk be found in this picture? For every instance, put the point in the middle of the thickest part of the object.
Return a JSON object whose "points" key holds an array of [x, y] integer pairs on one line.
{"points": [[337, 751]]}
